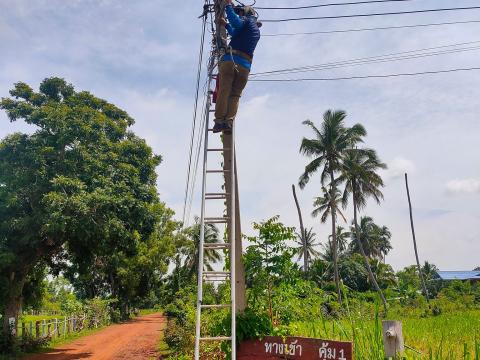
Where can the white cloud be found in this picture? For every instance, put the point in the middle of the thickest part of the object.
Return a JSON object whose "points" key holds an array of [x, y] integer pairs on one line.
{"points": [[121, 51], [398, 167], [463, 186]]}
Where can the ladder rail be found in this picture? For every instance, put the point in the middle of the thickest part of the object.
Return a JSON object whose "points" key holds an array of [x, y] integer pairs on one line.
{"points": [[232, 243], [202, 221]]}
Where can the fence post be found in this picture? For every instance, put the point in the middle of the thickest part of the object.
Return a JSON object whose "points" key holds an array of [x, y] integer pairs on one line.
{"points": [[37, 329], [56, 331], [393, 339], [43, 327], [31, 328], [65, 326]]}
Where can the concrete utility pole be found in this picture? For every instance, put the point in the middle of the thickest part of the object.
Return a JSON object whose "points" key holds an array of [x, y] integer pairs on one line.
{"points": [[228, 141]]}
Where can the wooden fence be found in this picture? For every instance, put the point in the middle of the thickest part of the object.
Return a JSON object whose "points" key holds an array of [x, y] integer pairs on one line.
{"points": [[54, 327], [43, 312]]}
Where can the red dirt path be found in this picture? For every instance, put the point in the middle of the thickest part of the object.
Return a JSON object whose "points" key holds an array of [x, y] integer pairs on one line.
{"points": [[136, 339]]}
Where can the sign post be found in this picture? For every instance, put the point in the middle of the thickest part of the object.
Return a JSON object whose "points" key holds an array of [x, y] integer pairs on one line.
{"points": [[275, 347]]}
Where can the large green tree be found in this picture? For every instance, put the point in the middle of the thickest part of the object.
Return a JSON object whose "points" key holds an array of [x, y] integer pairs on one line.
{"points": [[326, 150], [131, 280], [79, 184]]}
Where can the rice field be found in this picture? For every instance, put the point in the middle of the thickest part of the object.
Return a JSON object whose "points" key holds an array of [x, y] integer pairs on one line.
{"points": [[444, 337]]}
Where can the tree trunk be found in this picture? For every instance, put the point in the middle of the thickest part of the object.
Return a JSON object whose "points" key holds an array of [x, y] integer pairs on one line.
{"points": [[422, 279], [302, 232], [334, 236], [365, 257], [13, 303]]}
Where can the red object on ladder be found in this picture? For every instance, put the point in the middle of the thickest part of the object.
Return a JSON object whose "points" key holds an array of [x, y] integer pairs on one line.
{"points": [[217, 85]]}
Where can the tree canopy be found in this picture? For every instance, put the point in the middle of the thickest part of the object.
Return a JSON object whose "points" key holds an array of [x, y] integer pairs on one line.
{"points": [[80, 185]]}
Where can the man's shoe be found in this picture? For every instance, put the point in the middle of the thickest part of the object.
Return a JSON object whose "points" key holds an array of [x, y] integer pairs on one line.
{"points": [[219, 127]]}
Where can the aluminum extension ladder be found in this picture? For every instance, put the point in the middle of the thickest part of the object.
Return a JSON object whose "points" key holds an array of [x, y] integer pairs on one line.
{"points": [[229, 196]]}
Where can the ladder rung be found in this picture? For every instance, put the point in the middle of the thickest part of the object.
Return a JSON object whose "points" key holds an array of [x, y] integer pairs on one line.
{"points": [[217, 171], [217, 338], [216, 196], [216, 246], [223, 220], [218, 150], [216, 273], [216, 306]]}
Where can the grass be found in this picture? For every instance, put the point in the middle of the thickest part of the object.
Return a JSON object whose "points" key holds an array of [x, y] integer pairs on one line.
{"points": [[443, 337], [144, 312]]}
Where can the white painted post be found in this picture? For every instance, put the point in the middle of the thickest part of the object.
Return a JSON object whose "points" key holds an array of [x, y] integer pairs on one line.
{"points": [[12, 322], [393, 339], [65, 327]]}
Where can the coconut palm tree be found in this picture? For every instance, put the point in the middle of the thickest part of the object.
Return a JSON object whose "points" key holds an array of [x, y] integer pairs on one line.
{"points": [[375, 239], [326, 150], [306, 245], [359, 172], [192, 251], [342, 239]]}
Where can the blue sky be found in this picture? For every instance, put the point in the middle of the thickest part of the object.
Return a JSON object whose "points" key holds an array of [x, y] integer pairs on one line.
{"points": [[141, 55]]}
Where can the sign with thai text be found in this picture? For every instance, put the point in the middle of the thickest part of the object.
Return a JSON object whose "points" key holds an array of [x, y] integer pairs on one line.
{"points": [[274, 347]]}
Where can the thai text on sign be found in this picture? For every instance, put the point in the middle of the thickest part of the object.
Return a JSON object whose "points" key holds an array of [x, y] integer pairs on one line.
{"points": [[274, 347]]}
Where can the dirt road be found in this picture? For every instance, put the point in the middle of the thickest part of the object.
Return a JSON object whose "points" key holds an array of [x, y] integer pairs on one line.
{"points": [[136, 339]]}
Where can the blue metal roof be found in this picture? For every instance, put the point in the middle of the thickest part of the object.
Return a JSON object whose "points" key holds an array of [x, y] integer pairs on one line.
{"points": [[459, 275]]}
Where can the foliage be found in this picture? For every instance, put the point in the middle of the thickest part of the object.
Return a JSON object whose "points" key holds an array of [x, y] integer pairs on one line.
{"points": [[310, 243], [326, 150], [268, 262], [81, 186], [252, 325], [375, 239]]}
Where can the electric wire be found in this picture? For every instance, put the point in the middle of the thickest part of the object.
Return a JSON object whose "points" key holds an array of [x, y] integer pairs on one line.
{"points": [[197, 152], [195, 111], [377, 61], [373, 14], [373, 28], [390, 56], [200, 135], [328, 5], [370, 76]]}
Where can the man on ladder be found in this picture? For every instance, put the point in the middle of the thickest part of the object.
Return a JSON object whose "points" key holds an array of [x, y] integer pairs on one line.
{"points": [[235, 65]]}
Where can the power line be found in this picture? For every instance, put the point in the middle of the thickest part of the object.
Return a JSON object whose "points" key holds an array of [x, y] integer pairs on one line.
{"points": [[374, 14], [195, 111], [417, 52], [377, 61], [198, 151], [369, 76], [373, 28], [328, 5]]}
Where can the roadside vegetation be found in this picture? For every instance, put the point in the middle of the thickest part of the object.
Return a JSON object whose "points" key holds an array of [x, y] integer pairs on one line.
{"points": [[344, 288], [83, 232], [82, 224]]}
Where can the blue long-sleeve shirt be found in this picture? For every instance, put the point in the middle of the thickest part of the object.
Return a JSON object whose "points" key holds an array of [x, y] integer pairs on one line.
{"points": [[234, 27]]}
